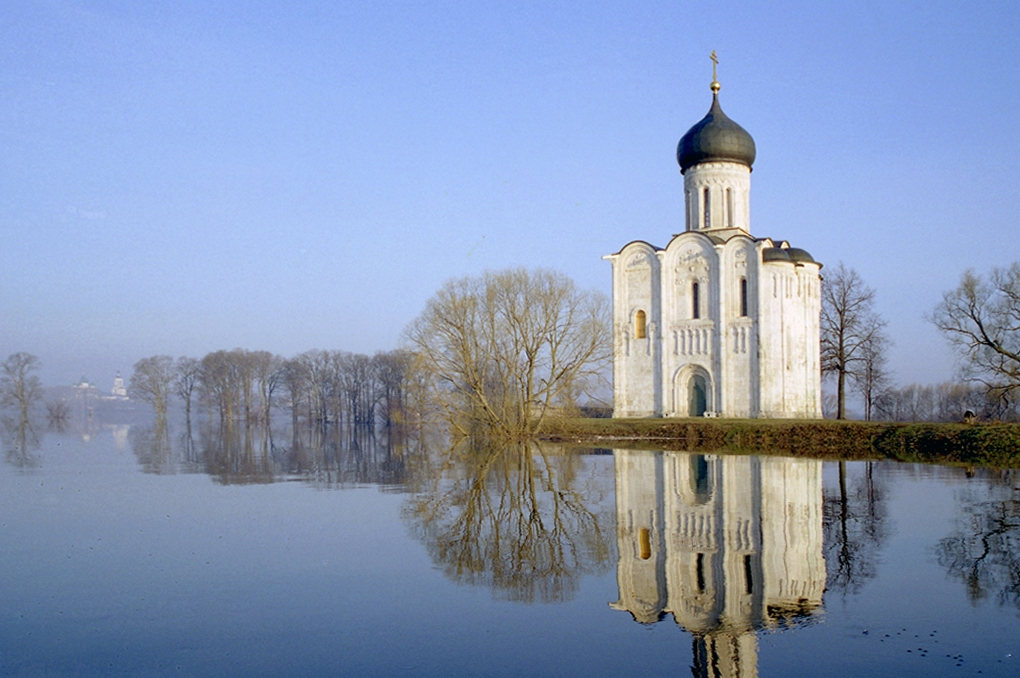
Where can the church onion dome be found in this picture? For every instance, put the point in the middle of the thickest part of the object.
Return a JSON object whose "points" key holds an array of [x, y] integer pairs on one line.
{"points": [[799, 256], [776, 254], [715, 137]]}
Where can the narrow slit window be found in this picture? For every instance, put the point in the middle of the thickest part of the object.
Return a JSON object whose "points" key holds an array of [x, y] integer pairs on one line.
{"points": [[708, 209], [700, 567], [748, 576], [695, 302], [729, 208], [743, 297], [645, 543], [640, 325]]}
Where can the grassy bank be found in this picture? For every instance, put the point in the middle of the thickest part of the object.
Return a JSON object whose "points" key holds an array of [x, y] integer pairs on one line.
{"points": [[996, 445]]}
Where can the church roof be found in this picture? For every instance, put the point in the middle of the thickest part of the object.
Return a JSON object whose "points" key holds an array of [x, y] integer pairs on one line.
{"points": [[775, 254], [798, 255], [715, 137]]}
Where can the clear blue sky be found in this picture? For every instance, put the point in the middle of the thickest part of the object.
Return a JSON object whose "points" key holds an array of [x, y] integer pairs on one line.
{"points": [[181, 177]]}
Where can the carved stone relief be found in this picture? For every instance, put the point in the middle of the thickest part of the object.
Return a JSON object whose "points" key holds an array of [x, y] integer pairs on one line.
{"points": [[638, 261]]}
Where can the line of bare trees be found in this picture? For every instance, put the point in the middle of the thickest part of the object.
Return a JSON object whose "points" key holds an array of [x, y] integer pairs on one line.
{"points": [[980, 319], [945, 402], [321, 387]]}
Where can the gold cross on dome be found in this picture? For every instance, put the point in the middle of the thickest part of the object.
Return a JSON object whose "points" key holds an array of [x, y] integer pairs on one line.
{"points": [[715, 62]]}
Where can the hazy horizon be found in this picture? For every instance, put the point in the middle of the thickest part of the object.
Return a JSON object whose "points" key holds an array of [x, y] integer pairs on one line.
{"points": [[180, 179]]}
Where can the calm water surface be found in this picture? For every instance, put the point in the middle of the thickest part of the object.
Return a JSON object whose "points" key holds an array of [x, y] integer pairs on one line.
{"points": [[127, 553]]}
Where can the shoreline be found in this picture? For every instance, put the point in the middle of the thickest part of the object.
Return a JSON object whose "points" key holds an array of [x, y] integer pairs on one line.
{"points": [[993, 445]]}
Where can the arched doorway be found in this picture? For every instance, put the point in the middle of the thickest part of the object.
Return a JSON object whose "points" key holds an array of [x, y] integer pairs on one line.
{"points": [[698, 396]]}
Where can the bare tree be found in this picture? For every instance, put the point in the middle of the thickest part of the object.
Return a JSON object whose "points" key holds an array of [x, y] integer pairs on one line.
{"points": [[243, 363], [392, 370], [19, 386], [266, 370], [505, 349], [872, 378], [186, 380], [294, 378], [315, 370], [240, 383], [945, 402], [953, 401], [57, 412], [356, 384], [217, 382], [849, 326], [981, 320], [914, 402], [152, 380]]}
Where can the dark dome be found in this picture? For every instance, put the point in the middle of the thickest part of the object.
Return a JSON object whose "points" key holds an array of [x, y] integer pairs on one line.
{"points": [[716, 137], [774, 254], [800, 256]]}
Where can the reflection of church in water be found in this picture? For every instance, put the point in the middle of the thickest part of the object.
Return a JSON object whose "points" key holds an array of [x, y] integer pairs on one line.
{"points": [[726, 544]]}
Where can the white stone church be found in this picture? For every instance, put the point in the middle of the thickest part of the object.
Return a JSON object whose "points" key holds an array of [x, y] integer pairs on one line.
{"points": [[717, 323]]}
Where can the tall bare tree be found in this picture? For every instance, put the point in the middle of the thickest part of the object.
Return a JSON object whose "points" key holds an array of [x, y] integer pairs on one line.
{"points": [[186, 379], [505, 349], [356, 384], [240, 383], [849, 327], [151, 382], [19, 386], [218, 384], [872, 378], [981, 320], [294, 378], [315, 369], [392, 370], [267, 373]]}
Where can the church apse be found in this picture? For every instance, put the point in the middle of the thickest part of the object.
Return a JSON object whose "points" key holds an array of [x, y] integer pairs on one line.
{"points": [[734, 546]]}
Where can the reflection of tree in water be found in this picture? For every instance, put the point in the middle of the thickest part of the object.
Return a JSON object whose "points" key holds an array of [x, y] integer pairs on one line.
{"points": [[984, 550], [20, 442], [520, 519], [344, 458], [152, 448], [240, 454], [855, 527]]}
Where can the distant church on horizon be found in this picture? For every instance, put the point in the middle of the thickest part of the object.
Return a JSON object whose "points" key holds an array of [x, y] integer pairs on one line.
{"points": [[717, 323]]}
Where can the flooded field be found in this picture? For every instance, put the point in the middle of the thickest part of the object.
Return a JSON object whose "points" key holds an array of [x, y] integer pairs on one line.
{"points": [[131, 553]]}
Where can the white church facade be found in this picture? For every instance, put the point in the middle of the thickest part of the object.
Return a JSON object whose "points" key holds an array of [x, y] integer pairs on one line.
{"points": [[718, 322]]}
